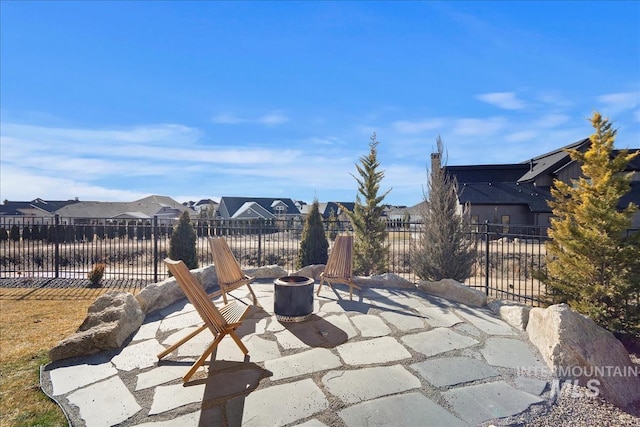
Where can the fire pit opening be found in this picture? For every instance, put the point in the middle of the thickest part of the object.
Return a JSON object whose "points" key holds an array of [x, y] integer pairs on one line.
{"points": [[293, 298]]}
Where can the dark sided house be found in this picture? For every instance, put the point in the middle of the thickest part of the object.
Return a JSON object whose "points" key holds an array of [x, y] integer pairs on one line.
{"points": [[518, 193]]}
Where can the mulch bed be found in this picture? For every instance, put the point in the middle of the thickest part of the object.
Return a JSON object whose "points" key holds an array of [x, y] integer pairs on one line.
{"points": [[59, 283]]}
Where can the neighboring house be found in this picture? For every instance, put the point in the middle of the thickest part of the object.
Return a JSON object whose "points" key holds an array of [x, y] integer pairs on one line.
{"points": [[406, 213], [337, 208], [206, 205], [518, 193], [165, 208], [257, 208], [37, 211]]}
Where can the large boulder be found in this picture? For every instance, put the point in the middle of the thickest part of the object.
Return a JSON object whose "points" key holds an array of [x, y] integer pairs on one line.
{"points": [[162, 294], [575, 348], [266, 272], [110, 320], [386, 280], [312, 271], [454, 291]]}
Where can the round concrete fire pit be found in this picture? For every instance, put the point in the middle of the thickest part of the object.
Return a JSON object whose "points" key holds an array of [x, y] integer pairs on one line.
{"points": [[293, 298]]}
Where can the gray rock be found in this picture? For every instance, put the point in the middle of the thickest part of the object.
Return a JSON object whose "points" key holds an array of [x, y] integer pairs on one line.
{"points": [[386, 280], [313, 271], [515, 314], [577, 349], [454, 291], [110, 320], [266, 272], [162, 294]]}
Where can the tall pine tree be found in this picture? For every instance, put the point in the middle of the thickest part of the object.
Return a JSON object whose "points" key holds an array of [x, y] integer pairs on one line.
{"points": [[314, 244], [371, 253], [592, 263], [443, 249]]}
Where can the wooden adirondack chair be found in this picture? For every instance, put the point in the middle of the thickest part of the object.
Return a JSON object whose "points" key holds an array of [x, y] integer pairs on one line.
{"points": [[340, 265], [220, 322], [230, 276]]}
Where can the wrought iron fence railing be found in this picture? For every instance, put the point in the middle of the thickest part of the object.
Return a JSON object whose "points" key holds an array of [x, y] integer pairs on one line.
{"points": [[30, 247]]}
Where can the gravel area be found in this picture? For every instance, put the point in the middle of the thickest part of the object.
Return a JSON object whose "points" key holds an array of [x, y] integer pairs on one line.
{"points": [[574, 408]]}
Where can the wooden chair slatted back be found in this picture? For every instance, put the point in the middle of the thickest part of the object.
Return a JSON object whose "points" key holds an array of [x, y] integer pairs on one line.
{"points": [[197, 296], [226, 265], [340, 263]]}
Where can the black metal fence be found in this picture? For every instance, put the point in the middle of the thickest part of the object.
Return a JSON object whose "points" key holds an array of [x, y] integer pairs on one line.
{"points": [[507, 255]]}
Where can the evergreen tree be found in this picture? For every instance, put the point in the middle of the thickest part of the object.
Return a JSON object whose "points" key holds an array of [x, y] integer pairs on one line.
{"points": [[370, 252], [443, 249], [183, 242], [313, 244], [100, 231], [592, 264], [333, 224], [26, 232], [14, 233], [4, 236]]}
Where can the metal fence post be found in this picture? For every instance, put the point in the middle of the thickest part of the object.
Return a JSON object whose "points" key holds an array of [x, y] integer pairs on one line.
{"points": [[156, 236], [260, 222], [56, 243], [486, 258]]}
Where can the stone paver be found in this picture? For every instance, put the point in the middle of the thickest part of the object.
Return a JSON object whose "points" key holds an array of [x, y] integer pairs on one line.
{"points": [[390, 357], [439, 317], [405, 410], [370, 325], [141, 355], [403, 321], [106, 403], [376, 350], [437, 341], [483, 402], [314, 360], [447, 371], [160, 375], [69, 378], [369, 383], [509, 353], [487, 323], [283, 404]]}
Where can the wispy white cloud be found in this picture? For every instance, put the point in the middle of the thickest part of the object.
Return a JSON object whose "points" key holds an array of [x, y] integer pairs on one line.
{"points": [[505, 100], [269, 119], [406, 126], [617, 102], [272, 119], [479, 127], [22, 184], [521, 136], [550, 121]]}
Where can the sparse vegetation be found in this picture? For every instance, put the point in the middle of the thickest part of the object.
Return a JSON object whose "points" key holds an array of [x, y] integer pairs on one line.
{"points": [[96, 273]]}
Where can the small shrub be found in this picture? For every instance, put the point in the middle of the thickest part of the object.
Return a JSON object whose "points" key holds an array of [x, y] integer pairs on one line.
{"points": [[313, 245], [183, 242], [96, 273]]}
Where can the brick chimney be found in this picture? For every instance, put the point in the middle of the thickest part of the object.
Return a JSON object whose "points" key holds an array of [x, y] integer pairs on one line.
{"points": [[435, 161]]}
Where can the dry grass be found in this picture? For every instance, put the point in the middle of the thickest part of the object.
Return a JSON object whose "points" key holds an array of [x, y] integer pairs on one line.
{"points": [[31, 322]]}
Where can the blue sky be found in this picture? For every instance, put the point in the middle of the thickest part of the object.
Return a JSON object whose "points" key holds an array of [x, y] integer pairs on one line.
{"points": [[115, 101]]}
